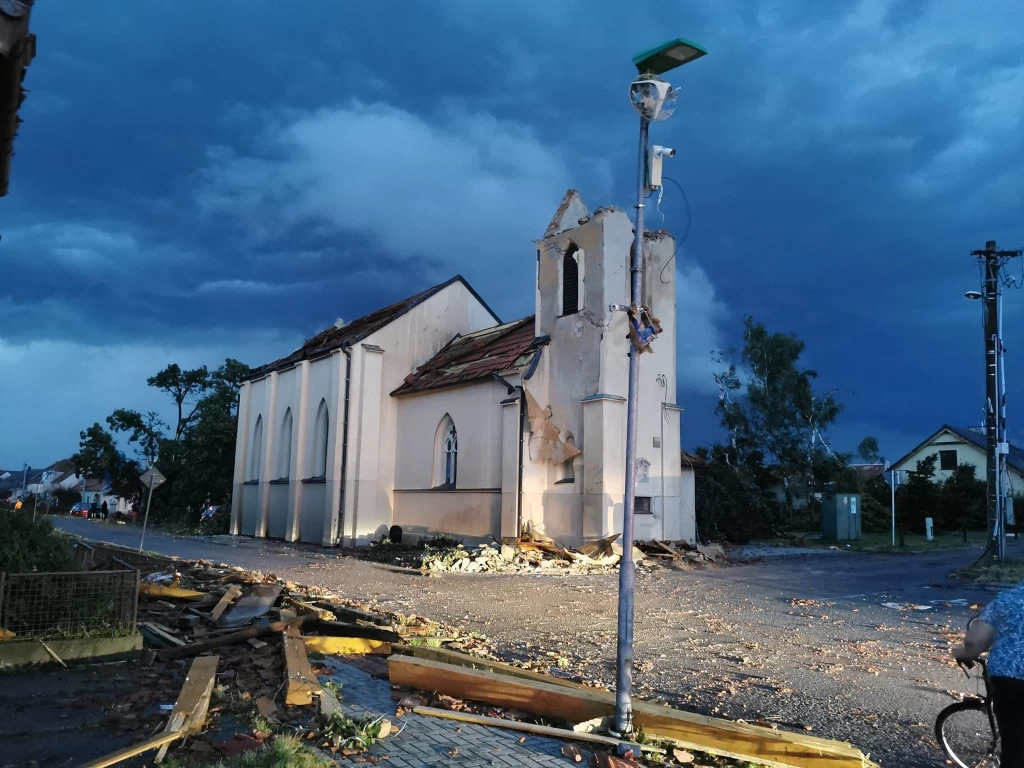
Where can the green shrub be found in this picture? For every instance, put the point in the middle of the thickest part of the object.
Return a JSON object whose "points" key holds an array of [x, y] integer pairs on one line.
{"points": [[32, 546]]}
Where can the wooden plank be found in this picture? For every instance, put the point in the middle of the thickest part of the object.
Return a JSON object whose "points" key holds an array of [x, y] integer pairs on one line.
{"points": [[301, 684], [161, 633], [353, 614], [446, 656], [121, 755], [754, 743], [194, 699], [539, 730], [347, 646], [341, 629], [229, 639], [226, 599]]}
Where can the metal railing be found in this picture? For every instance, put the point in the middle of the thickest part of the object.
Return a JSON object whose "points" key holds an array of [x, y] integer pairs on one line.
{"points": [[75, 604]]}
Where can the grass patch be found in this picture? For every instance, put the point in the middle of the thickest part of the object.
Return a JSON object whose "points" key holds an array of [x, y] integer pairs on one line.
{"points": [[282, 752], [28, 545], [1010, 571], [882, 542]]}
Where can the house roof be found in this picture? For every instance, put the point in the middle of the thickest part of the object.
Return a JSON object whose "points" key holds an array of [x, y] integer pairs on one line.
{"points": [[474, 356], [352, 332], [12, 92], [867, 471], [690, 461], [1015, 458]]}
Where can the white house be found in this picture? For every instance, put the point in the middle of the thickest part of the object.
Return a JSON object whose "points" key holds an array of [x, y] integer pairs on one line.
{"points": [[954, 446], [434, 416]]}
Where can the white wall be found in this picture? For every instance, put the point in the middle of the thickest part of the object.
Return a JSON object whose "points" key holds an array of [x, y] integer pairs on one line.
{"points": [[966, 453], [379, 365], [477, 412]]}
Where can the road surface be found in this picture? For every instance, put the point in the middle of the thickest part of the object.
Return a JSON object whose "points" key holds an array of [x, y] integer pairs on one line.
{"points": [[806, 642]]}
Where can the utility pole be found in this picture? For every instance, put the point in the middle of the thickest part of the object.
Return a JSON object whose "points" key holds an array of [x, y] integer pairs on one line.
{"points": [[997, 446]]}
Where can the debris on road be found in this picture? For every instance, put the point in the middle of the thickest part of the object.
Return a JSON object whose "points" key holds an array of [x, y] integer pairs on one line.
{"points": [[551, 698]]}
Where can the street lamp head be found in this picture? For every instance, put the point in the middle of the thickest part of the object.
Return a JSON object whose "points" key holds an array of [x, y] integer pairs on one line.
{"points": [[652, 98], [973, 294], [667, 56]]}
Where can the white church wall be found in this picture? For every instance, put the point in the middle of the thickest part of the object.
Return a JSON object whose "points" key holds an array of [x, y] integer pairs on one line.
{"points": [[406, 342]]}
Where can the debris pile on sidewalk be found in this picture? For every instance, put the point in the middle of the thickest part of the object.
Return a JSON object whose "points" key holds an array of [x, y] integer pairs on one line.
{"points": [[245, 639], [684, 551]]}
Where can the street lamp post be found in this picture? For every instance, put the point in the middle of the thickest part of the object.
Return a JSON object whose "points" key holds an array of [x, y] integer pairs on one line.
{"points": [[653, 98]]}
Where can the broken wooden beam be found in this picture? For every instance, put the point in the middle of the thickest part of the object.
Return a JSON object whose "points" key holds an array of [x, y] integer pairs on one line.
{"points": [[352, 614], [154, 742], [301, 685], [259, 630], [538, 730], [727, 738], [193, 702], [341, 629], [445, 656], [161, 633], [226, 599], [176, 593], [347, 646]]}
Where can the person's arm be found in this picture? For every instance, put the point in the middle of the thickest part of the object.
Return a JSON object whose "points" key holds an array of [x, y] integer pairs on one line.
{"points": [[977, 640]]}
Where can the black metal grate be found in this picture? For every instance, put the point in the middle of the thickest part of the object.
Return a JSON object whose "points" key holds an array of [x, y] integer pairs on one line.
{"points": [[58, 605]]}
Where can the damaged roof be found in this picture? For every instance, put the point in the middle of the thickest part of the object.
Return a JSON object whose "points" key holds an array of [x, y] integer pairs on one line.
{"points": [[475, 356], [350, 333]]}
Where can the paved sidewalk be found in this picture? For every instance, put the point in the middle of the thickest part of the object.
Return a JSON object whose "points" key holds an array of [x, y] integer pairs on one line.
{"points": [[428, 742]]}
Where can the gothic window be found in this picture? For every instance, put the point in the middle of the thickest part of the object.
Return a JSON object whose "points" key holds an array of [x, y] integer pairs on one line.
{"points": [[320, 436], [256, 450], [284, 447], [566, 470], [446, 454]]}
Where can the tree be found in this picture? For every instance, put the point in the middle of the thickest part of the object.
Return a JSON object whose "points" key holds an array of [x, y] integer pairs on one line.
{"points": [[778, 416], [186, 389], [99, 457], [145, 431], [868, 451]]}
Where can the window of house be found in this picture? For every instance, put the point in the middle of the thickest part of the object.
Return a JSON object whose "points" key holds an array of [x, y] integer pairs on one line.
{"points": [[947, 459], [446, 454], [284, 447], [571, 281], [321, 430], [256, 450], [642, 506]]}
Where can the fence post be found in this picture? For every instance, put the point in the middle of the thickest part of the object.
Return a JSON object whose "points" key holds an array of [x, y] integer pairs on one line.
{"points": [[135, 602]]}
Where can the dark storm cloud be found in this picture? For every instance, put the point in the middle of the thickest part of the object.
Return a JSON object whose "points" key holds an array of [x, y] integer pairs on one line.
{"points": [[238, 178]]}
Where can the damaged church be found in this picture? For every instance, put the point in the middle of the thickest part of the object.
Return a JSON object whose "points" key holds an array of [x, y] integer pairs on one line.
{"points": [[433, 415]]}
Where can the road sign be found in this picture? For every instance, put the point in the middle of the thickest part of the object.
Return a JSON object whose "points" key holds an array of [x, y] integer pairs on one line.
{"points": [[152, 478]]}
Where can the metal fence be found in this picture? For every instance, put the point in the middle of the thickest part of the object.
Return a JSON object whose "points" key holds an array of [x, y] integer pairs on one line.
{"points": [[58, 605]]}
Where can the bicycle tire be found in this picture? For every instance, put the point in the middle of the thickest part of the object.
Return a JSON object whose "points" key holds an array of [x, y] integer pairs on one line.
{"points": [[942, 734]]}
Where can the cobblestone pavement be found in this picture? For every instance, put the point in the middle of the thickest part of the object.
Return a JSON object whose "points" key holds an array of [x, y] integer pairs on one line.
{"points": [[431, 742]]}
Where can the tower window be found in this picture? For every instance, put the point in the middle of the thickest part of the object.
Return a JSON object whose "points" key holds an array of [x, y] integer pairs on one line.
{"points": [[571, 281]]}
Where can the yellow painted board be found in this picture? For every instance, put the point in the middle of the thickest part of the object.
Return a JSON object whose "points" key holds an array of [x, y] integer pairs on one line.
{"points": [[347, 646], [301, 684], [159, 590]]}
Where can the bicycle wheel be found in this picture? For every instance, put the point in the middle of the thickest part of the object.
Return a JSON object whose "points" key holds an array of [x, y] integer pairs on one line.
{"points": [[964, 733]]}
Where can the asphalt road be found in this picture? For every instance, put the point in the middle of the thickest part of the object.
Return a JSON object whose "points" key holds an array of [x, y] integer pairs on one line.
{"points": [[805, 642]]}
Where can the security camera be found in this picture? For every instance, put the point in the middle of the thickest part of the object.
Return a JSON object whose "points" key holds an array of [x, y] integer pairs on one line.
{"points": [[660, 151], [655, 155]]}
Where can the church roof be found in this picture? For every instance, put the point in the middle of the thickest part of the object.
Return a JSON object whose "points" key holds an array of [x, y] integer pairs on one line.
{"points": [[474, 356], [350, 333]]}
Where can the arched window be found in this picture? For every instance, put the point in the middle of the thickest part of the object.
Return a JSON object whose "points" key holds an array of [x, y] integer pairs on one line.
{"points": [[571, 281], [284, 447], [256, 450], [566, 470], [446, 454], [320, 437]]}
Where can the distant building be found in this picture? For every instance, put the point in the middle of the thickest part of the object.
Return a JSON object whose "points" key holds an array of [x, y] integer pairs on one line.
{"points": [[954, 446], [433, 415]]}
